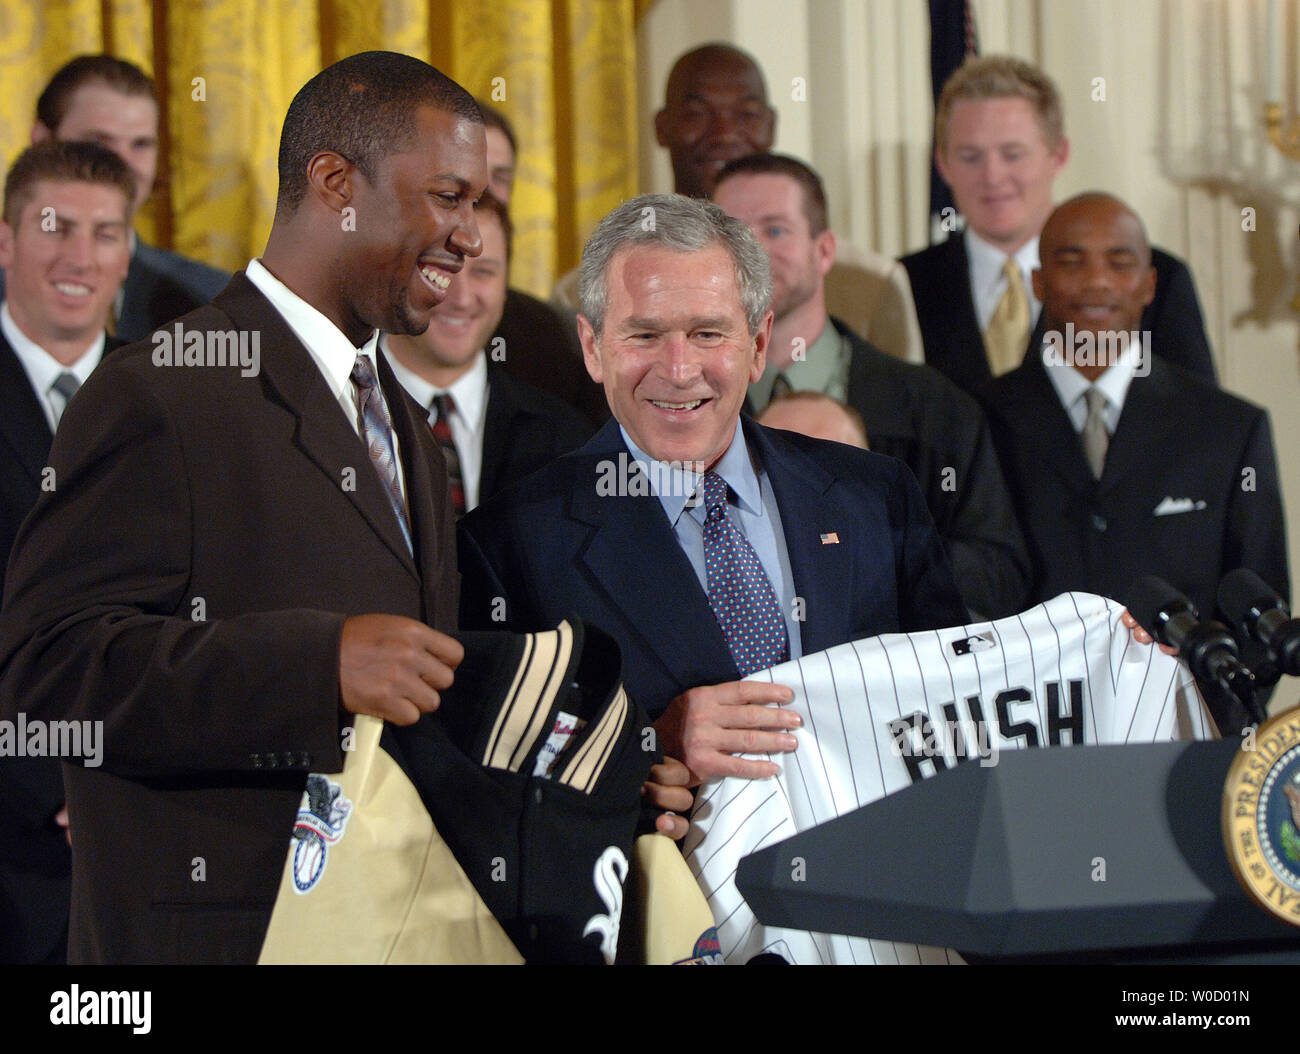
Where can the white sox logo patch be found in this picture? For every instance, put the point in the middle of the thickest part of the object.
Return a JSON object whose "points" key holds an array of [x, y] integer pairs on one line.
{"points": [[608, 875], [321, 818]]}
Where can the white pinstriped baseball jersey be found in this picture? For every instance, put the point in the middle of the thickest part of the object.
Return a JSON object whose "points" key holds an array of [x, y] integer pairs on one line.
{"points": [[880, 714]]}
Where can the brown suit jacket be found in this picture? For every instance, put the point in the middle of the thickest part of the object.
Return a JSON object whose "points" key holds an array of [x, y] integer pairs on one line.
{"points": [[186, 583]]}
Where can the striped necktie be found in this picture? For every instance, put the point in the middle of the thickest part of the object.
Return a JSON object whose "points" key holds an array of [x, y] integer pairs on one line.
{"points": [[443, 406], [66, 384], [377, 431]]}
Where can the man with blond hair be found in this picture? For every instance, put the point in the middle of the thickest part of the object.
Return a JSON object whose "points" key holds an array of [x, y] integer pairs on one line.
{"points": [[999, 144]]}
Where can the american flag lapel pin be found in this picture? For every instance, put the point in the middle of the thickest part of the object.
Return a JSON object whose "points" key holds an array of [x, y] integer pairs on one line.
{"points": [[831, 538]]}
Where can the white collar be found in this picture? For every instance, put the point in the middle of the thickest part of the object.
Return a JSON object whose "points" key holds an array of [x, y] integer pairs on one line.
{"points": [[469, 391], [986, 262], [332, 352], [1071, 385], [42, 367]]}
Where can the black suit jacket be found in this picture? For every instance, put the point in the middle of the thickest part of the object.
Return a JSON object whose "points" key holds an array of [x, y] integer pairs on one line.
{"points": [[916, 415], [559, 544], [35, 864], [525, 430], [186, 584], [1189, 490], [945, 308], [541, 349]]}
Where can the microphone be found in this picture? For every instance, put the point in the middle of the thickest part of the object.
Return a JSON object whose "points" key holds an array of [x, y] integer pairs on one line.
{"points": [[1260, 614], [1208, 648]]}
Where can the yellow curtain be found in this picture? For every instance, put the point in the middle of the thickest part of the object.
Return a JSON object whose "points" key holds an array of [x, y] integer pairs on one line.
{"points": [[563, 72]]}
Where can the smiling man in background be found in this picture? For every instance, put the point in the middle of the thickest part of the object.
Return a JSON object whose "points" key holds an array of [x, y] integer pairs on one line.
{"points": [[106, 100], [493, 428], [64, 250]]}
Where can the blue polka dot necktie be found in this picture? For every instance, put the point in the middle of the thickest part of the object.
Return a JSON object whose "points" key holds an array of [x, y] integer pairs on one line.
{"points": [[377, 431], [739, 590]]}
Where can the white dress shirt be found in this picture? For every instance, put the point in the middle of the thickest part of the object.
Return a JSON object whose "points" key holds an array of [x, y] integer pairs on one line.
{"points": [[1072, 386], [988, 283], [469, 394], [332, 352], [43, 368], [754, 513]]}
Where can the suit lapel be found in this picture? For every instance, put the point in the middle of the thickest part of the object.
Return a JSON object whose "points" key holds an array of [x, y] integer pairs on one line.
{"points": [[1031, 402], [636, 561], [324, 434], [1145, 427], [964, 345], [502, 409], [820, 570], [23, 423]]}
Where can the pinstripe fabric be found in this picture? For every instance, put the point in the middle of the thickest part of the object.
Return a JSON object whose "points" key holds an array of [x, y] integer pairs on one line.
{"points": [[862, 701]]}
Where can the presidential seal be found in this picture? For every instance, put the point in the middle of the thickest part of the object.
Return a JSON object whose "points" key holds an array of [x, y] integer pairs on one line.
{"points": [[1261, 816]]}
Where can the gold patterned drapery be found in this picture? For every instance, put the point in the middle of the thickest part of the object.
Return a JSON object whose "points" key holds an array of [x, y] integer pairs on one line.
{"points": [[563, 71]]}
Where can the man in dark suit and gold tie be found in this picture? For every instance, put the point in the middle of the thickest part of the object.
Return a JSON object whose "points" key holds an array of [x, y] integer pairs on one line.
{"points": [[64, 250], [1000, 144]]}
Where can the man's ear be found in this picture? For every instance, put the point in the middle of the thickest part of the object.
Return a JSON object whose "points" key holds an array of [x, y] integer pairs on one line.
{"points": [[824, 246], [1036, 280], [1149, 293], [942, 166], [661, 127], [1060, 154], [6, 245], [761, 340], [330, 177], [40, 133], [590, 352]]}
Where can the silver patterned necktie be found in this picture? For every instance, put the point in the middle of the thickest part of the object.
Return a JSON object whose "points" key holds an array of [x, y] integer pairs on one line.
{"points": [[66, 384], [1096, 440], [377, 431]]}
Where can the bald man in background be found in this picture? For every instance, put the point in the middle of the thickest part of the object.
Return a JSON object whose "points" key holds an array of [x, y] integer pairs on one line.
{"points": [[816, 415], [1120, 463], [716, 110]]}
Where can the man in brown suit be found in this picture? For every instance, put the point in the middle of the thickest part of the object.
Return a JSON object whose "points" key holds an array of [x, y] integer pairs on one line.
{"points": [[248, 540]]}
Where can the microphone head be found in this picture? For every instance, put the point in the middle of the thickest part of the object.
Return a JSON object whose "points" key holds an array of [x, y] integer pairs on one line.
{"points": [[1151, 600], [1244, 596]]}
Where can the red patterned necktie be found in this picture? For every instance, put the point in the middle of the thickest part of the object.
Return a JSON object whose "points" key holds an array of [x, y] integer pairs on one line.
{"points": [[443, 407]]}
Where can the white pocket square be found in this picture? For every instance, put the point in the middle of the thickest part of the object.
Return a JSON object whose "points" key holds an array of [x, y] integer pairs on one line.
{"points": [[1173, 506]]}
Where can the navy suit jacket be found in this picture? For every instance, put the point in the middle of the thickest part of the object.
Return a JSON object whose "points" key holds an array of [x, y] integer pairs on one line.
{"points": [[914, 414], [864, 553], [162, 286], [525, 429], [945, 308]]}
